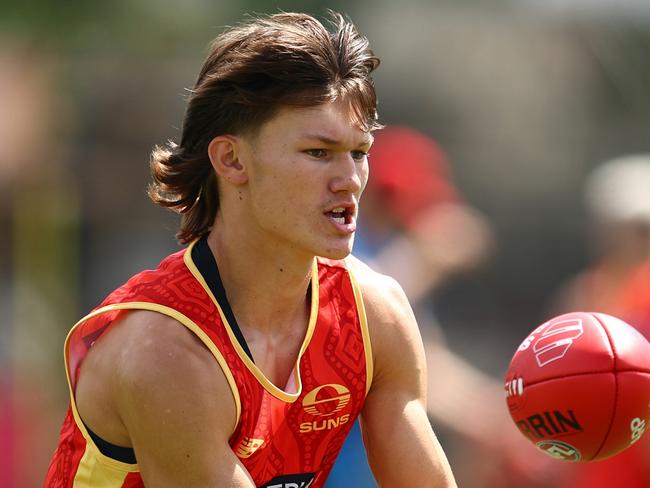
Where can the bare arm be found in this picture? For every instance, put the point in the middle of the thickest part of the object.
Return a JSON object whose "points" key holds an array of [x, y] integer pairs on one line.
{"points": [[402, 449], [174, 403]]}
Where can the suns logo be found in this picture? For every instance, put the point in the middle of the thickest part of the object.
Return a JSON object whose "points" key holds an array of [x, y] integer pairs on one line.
{"points": [[324, 404], [325, 401]]}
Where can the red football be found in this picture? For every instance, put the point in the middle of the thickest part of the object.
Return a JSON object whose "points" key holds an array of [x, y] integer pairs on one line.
{"points": [[578, 386]]}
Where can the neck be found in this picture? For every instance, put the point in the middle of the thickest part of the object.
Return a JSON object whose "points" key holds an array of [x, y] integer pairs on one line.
{"points": [[267, 285]]}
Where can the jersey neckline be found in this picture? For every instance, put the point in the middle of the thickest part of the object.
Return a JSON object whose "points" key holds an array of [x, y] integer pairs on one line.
{"points": [[201, 262], [207, 265]]}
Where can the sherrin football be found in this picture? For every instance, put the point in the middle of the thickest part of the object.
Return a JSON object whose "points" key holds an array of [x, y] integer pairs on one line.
{"points": [[578, 386]]}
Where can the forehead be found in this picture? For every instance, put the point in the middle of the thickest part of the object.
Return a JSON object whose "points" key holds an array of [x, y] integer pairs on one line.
{"points": [[335, 121]]}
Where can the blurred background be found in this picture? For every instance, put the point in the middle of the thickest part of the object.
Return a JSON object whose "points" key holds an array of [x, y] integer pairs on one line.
{"points": [[526, 97]]}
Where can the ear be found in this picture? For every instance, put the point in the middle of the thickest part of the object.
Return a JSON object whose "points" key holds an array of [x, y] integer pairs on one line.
{"points": [[224, 153]]}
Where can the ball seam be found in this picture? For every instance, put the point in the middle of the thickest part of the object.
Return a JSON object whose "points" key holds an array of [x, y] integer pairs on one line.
{"points": [[616, 386]]}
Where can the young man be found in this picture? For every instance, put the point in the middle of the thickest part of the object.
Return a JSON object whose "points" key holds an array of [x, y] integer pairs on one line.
{"points": [[243, 360]]}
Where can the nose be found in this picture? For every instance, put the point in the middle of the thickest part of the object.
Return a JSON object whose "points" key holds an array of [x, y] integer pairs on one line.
{"points": [[350, 175]]}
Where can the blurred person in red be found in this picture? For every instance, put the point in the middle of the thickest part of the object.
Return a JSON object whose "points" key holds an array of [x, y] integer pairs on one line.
{"points": [[416, 227], [617, 199]]}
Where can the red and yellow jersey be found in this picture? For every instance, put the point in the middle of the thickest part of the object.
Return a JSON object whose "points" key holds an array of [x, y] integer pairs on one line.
{"points": [[283, 436]]}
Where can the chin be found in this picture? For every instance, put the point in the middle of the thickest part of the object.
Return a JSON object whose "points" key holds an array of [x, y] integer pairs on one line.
{"points": [[336, 252], [336, 256]]}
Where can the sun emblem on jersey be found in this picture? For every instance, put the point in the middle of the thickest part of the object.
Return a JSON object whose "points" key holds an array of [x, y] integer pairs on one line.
{"points": [[326, 400]]}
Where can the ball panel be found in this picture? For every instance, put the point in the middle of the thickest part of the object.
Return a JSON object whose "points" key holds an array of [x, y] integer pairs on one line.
{"points": [[557, 415], [632, 413], [569, 344], [630, 346]]}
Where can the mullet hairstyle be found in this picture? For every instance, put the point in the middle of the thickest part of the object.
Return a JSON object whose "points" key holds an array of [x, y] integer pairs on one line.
{"points": [[252, 70]]}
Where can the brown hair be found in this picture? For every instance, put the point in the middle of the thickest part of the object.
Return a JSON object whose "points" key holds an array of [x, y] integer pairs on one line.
{"points": [[252, 70]]}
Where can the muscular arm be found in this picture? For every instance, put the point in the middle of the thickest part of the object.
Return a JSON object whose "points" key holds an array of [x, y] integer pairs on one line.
{"points": [[402, 448], [173, 401]]}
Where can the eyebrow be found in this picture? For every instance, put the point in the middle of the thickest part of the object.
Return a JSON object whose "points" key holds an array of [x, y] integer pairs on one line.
{"points": [[333, 142]]}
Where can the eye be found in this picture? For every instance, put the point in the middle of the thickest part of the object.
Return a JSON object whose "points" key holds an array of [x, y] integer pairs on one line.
{"points": [[359, 156], [316, 153]]}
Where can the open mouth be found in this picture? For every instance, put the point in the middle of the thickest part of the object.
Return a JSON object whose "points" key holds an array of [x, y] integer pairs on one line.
{"points": [[341, 215]]}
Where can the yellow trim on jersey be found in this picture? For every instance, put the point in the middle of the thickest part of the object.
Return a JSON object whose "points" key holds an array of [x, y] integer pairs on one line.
{"points": [[265, 382], [95, 472], [365, 333], [154, 307]]}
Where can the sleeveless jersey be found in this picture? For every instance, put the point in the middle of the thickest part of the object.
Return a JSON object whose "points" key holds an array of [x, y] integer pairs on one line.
{"points": [[284, 437]]}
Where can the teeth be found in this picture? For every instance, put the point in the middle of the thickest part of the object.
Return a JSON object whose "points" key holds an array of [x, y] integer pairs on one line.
{"points": [[338, 215]]}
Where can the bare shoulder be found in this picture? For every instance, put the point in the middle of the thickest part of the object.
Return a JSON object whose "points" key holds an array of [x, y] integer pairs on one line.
{"points": [[153, 347], [394, 334], [384, 298], [160, 390], [149, 362], [147, 347], [163, 363]]}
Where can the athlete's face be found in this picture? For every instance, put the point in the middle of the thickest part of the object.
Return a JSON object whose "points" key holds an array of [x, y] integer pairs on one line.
{"points": [[308, 167]]}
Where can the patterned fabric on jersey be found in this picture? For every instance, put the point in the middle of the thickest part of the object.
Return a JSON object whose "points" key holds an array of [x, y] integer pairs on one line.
{"points": [[282, 438]]}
